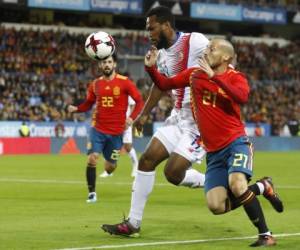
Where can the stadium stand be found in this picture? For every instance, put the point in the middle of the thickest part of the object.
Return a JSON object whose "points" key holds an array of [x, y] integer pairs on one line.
{"points": [[44, 71], [288, 4]]}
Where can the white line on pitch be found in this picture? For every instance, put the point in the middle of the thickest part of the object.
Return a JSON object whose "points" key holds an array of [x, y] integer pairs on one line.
{"points": [[49, 181], [174, 242]]}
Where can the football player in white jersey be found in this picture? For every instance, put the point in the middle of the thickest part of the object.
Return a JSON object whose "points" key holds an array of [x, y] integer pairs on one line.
{"points": [[127, 140], [177, 139], [127, 143]]}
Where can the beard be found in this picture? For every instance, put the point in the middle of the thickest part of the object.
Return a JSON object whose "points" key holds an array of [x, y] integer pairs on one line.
{"points": [[163, 42], [107, 72]]}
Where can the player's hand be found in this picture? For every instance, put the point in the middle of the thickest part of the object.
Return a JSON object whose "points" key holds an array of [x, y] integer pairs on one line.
{"points": [[128, 123], [139, 123], [205, 67], [72, 108], [151, 57]]}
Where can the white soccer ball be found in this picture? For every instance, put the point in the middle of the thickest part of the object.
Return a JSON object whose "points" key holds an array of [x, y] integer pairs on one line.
{"points": [[99, 45]]}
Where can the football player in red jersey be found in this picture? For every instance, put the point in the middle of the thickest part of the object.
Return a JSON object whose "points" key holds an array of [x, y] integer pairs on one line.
{"points": [[110, 94], [217, 93]]}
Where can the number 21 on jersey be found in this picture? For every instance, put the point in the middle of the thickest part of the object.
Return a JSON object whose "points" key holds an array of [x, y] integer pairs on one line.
{"points": [[209, 98]]}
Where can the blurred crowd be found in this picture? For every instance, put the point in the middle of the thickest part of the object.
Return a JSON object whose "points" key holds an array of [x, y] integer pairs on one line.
{"points": [[292, 5], [43, 72]]}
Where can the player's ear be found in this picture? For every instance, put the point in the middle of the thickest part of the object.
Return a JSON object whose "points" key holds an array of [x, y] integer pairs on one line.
{"points": [[165, 25]]}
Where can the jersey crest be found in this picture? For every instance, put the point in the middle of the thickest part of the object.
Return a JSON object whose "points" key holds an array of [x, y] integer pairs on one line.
{"points": [[116, 91]]}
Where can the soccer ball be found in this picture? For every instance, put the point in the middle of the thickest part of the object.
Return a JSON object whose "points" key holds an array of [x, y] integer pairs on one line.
{"points": [[99, 45]]}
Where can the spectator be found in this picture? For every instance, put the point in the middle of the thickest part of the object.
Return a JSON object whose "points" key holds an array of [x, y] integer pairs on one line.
{"points": [[24, 130], [32, 89], [59, 129], [258, 132]]}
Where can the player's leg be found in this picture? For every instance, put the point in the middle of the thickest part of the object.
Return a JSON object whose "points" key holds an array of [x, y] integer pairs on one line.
{"points": [[111, 152], [134, 159], [156, 151], [240, 170], [265, 187], [127, 140], [91, 177], [95, 146], [234, 174], [143, 184], [109, 168], [178, 169], [216, 182], [238, 185]]}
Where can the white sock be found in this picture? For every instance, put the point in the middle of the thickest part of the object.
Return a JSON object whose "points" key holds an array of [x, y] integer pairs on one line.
{"points": [[134, 159], [141, 188], [193, 179], [266, 233], [261, 187]]}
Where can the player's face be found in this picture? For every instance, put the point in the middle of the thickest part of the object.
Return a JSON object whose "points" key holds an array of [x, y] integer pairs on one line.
{"points": [[213, 55], [108, 66], [156, 35]]}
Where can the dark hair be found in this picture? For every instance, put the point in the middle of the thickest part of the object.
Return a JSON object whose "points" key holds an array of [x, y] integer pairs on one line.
{"points": [[163, 14]]}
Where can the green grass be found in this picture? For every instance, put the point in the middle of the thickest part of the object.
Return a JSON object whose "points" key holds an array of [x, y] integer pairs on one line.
{"points": [[54, 215]]}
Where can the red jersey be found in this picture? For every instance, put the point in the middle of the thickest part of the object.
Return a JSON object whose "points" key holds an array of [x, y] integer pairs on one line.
{"points": [[215, 103], [111, 98]]}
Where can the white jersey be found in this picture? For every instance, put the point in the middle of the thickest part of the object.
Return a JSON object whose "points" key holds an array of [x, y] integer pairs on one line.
{"points": [[127, 134], [131, 102], [183, 54]]}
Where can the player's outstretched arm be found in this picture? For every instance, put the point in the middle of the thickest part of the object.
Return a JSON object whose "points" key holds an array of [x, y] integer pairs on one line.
{"points": [[72, 109], [164, 83], [137, 97], [88, 102]]}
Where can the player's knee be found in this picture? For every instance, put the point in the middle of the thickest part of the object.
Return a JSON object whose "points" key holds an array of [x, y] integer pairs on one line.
{"points": [[238, 188], [110, 167], [173, 175], [215, 207], [146, 162], [175, 169], [238, 184], [92, 159]]}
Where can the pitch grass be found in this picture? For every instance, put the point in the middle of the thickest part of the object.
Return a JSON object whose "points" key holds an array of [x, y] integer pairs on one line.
{"points": [[53, 214]]}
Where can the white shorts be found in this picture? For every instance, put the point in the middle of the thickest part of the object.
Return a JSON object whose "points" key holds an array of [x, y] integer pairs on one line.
{"points": [[127, 135], [181, 141]]}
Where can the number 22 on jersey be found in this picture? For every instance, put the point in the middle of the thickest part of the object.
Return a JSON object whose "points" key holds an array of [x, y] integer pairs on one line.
{"points": [[107, 101]]}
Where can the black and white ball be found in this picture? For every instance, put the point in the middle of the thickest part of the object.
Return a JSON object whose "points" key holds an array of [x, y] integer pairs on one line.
{"points": [[100, 45]]}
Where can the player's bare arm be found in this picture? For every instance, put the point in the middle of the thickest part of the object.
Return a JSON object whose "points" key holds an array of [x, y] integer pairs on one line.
{"points": [[155, 94], [152, 100]]}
